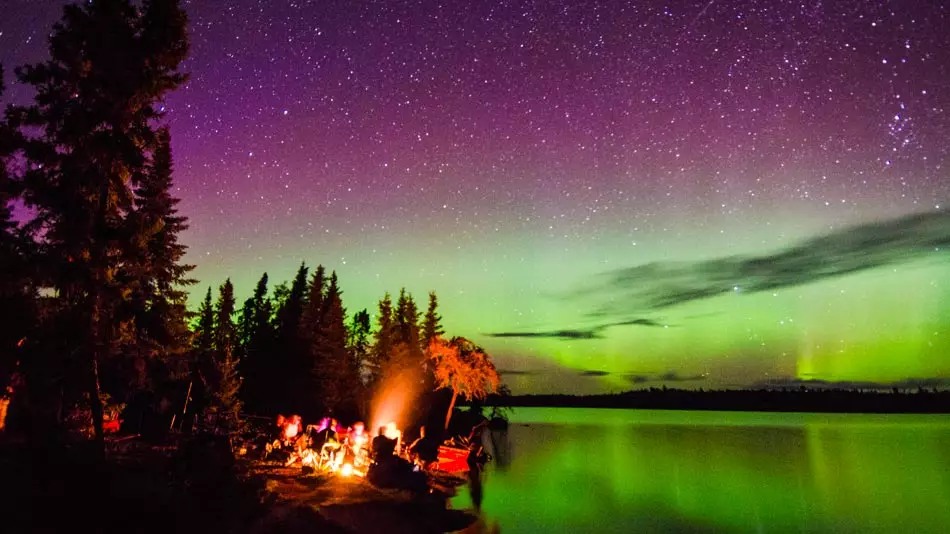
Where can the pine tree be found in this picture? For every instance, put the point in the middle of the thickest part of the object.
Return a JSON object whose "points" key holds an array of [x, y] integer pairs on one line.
{"points": [[226, 382], [305, 386], [204, 331], [203, 368], [431, 322], [336, 379], [289, 347], [410, 352], [384, 340], [96, 103], [159, 275], [431, 329], [17, 296], [358, 341], [256, 339], [311, 322]]}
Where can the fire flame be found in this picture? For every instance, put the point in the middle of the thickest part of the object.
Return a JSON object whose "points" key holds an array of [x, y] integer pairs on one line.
{"points": [[396, 393], [346, 470], [392, 432], [290, 426]]}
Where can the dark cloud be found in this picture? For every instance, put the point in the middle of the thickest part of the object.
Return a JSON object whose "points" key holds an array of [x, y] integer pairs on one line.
{"points": [[669, 376], [557, 334], [594, 372], [907, 383], [659, 285], [673, 376], [573, 334]]}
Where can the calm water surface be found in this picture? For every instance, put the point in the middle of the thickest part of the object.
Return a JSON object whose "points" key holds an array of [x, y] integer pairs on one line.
{"points": [[592, 470]]}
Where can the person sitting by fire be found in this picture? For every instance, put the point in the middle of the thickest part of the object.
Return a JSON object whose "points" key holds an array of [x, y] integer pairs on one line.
{"points": [[356, 441], [384, 446], [331, 443], [389, 470], [424, 450]]}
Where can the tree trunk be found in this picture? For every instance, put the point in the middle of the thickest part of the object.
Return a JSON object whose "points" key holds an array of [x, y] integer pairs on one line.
{"points": [[95, 406], [448, 415]]}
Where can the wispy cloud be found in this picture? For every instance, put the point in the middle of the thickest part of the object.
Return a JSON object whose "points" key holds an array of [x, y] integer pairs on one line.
{"points": [[673, 376], [594, 372], [655, 286], [669, 376], [594, 332]]}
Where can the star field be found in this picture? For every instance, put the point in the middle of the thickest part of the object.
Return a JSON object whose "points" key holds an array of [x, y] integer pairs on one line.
{"points": [[503, 153]]}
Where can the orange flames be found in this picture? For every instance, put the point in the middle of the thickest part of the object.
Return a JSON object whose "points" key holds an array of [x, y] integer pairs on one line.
{"points": [[395, 395], [290, 426]]}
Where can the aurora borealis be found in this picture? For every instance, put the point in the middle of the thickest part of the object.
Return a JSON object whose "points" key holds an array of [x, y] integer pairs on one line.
{"points": [[604, 195]]}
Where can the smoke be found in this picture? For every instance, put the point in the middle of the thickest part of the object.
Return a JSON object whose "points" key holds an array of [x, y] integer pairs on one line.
{"points": [[397, 391]]}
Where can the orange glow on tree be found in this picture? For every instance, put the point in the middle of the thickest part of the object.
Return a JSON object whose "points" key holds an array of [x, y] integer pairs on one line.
{"points": [[463, 367]]}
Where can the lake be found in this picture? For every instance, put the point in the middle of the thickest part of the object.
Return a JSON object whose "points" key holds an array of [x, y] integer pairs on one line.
{"points": [[600, 470]]}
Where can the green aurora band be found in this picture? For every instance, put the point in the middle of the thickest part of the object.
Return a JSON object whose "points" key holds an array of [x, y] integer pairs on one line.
{"points": [[859, 305]]}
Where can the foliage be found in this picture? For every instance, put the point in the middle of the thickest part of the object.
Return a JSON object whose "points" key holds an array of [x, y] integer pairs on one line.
{"points": [[225, 382], [464, 368], [431, 322], [431, 329], [357, 342], [383, 340], [257, 336], [338, 382], [96, 176], [287, 357]]}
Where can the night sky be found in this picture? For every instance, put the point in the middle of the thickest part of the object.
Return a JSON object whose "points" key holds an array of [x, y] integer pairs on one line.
{"points": [[605, 195]]}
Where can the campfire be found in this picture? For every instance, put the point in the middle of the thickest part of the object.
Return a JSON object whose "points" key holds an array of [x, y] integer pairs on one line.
{"points": [[327, 446], [289, 426]]}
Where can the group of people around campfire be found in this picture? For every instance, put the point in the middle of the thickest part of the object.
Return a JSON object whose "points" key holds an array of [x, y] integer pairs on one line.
{"points": [[384, 458], [332, 446]]}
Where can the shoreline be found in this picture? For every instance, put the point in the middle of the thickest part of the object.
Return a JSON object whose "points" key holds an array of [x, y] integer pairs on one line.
{"points": [[762, 400]]}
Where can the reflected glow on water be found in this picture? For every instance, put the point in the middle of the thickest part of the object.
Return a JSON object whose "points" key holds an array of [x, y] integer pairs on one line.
{"points": [[576, 470]]}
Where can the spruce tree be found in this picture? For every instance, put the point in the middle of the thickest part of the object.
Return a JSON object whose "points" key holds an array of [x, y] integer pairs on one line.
{"points": [[431, 329], [358, 341], [383, 340], [257, 338], [204, 332], [336, 379], [285, 363], [226, 382], [90, 136], [202, 361], [306, 386], [17, 296], [410, 352], [431, 322], [311, 322], [160, 277]]}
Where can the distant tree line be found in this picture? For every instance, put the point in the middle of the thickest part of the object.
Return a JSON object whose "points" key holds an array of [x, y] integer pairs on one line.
{"points": [[801, 399]]}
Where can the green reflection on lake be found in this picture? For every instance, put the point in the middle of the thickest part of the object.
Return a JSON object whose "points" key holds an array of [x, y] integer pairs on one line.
{"points": [[590, 470]]}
